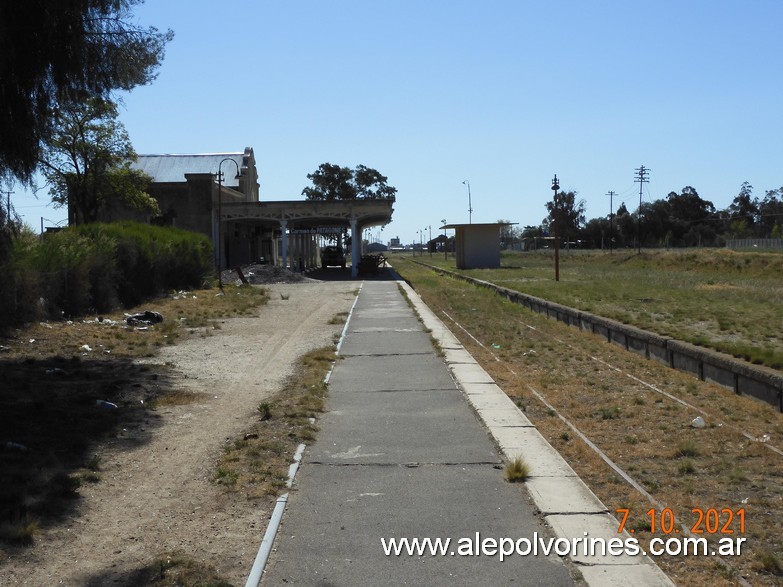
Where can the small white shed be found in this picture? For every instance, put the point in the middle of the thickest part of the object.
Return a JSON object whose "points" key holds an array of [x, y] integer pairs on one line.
{"points": [[477, 246]]}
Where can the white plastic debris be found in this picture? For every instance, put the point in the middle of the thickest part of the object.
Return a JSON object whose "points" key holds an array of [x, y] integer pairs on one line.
{"points": [[698, 422]]}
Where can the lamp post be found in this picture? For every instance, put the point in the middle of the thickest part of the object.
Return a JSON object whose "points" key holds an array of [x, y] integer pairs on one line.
{"points": [[220, 218], [555, 187], [470, 206], [445, 241], [429, 244]]}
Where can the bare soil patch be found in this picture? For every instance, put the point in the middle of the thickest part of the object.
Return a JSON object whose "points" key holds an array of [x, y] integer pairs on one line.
{"points": [[148, 488]]}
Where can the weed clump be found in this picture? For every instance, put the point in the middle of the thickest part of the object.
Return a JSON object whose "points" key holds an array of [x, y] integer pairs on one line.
{"points": [[517, 470]]}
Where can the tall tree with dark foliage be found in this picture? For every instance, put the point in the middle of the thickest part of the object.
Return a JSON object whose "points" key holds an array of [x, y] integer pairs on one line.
{"points": [[57, 50]]}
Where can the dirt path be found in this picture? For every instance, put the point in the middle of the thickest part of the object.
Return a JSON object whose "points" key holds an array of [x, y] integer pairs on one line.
{"points": [[157, 496]]}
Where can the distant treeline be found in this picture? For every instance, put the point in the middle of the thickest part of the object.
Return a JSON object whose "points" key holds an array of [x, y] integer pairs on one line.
{"points": [[679, 220]]}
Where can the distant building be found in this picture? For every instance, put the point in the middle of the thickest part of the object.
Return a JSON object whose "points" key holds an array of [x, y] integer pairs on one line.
{"points": [[186, 189], [287, 233], [477, 246]]}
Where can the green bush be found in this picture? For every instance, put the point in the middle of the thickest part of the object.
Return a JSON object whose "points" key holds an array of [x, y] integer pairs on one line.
{"points": [[76, 273], [98, 266], [151, 259], [19, 291]]}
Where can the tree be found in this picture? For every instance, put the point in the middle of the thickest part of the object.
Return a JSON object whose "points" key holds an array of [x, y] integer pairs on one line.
{"points": [[689, 207], [566, 215], [53, 51], [625, 226], [87, 162], [656, 223], [595, 233], [745, 206], [508, 234], [332, 182], [771, 213], [370, 184], [690, 218]]}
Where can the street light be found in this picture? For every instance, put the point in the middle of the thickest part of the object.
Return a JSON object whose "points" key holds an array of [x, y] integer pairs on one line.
{"points": [[445, 241], [555, 187], [220, 217], [470, 206]]}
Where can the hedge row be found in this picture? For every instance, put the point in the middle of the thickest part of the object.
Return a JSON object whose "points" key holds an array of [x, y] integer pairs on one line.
{"points": [[98, 267]]}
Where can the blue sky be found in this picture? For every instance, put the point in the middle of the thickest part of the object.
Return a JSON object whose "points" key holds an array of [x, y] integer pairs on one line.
{"points": [[502, 93]]}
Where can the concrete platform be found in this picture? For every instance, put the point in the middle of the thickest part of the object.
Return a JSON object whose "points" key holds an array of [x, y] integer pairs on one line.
{"points": [[565, 501], [401, 454]]}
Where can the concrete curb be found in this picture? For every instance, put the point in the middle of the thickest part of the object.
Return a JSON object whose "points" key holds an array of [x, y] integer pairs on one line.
{"points": [[265, 549], [566, 503]]}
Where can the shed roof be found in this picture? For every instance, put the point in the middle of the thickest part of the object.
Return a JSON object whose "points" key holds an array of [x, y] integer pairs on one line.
{"points": [[477, 224]]}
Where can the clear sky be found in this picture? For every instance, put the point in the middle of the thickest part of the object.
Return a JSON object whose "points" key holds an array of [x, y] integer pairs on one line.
{"points": [[503, 93]]}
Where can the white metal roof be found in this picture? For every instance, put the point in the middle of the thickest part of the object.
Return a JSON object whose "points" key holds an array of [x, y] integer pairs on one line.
{"points": [[172, 168]]}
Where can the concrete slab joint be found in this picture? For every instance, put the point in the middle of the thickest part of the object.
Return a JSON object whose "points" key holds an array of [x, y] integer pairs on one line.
{"points": [[567, 504], [401, 454]]}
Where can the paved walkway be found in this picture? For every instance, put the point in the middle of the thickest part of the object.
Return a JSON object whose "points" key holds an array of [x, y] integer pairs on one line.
{"points": [[401, 454]]}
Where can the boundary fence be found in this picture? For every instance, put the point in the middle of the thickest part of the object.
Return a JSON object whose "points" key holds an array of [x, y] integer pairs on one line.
{"points": [[755, 243]]}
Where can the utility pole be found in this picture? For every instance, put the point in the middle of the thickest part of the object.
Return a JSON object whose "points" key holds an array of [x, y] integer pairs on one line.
{"points": [[555, 187], [611, 215], [641, 178], [8, 196]]}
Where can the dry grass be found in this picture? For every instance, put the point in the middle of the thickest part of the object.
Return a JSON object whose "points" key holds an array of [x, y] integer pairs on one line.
{"points": [[256, 464], [108, 336], [692, 295], [517, 470], [645, 432], [339, 318]]}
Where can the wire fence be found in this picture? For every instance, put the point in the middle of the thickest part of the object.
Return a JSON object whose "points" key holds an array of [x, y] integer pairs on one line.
{"points": [[755, 243]]}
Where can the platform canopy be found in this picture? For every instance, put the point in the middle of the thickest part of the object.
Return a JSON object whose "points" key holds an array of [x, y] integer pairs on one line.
{"points": [[314, 215], [354, 214]]}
